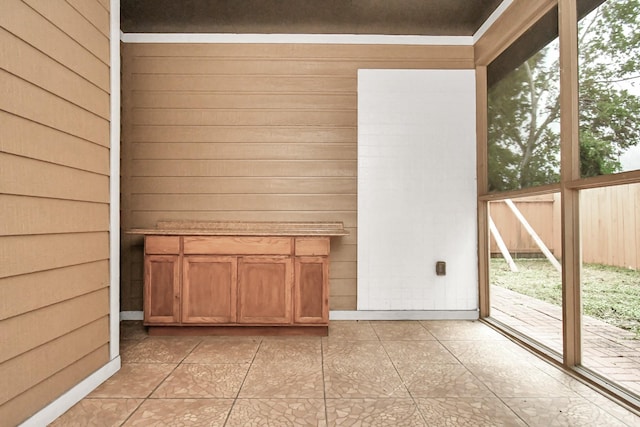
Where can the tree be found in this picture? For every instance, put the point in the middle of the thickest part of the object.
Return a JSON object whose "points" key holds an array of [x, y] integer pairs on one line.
{"points": [[609, 46], [523, 125], [523, 107]]}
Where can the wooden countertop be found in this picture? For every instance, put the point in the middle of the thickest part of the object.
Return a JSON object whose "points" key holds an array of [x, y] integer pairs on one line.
{"points": [[243, 228]]}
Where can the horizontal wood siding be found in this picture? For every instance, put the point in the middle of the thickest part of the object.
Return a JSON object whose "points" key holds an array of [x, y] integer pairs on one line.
{"points": [[54, 199], [249, 132]]}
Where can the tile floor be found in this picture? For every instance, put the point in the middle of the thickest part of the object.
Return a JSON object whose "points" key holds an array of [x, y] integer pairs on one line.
{"points": [[408, 373]]}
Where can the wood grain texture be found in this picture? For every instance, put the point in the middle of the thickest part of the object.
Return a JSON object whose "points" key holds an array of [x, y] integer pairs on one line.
{"points": [[27, 100], [21, 59], [312, 246], [162, 286], [29, 139], [162, 245], [570, 170], [33, 253], [26, 23], [209, 289], [65, 16], [20, 407], [46, 216], [96, 12], [239, 150], [237, 245], [252, 132], [311, 290], [265, 290], [518, 17], [28, 177], [610, 225], [24, 332], [25, 293], [46, 360], [54, 201]]}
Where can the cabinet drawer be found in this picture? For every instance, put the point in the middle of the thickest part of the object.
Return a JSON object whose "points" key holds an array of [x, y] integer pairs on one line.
{"points": [[312, 246], [160, 245], [226, 245]]}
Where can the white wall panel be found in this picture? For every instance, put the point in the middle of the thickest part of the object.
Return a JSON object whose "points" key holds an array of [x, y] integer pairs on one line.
{"points": [[416, 190]]}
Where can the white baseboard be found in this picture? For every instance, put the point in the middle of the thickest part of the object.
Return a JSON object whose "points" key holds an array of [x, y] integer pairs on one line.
{"points": [[62, 404], [131, 315], [370, 315], [404, 315]]}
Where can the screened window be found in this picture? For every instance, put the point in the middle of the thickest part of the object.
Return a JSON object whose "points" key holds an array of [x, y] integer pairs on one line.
{"points": [[524, 110]]}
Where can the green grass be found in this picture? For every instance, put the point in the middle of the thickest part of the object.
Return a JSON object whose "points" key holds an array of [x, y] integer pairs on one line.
{"points": [[611, 294]]}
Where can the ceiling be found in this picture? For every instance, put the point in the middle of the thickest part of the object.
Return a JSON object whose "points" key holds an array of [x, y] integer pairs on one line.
{"points": [[407, 17]]}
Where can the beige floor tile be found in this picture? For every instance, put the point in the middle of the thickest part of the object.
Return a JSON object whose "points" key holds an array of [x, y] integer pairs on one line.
{"points": [[373, 412], [126, 345], [355, 352], [417, 353], [516, 381], [372, 373], [401, 330], [134, 380], [277, 412], [468, 412], [160, 350], [351, 330], [290, 349], [97, 413], [281, 380], [191, 380], [360, 369], [132, 330], [494, 353], [181, 412], [442, 380], [461, 330], [613, 408], [575, 385], [225, 350], [562, 412]]}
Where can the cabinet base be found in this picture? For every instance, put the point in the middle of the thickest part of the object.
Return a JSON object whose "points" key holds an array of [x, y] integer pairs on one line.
{"points": [[316, 331]]}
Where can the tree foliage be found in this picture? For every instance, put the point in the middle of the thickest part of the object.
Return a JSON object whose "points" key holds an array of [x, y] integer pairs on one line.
{"points": [[524, 112]]}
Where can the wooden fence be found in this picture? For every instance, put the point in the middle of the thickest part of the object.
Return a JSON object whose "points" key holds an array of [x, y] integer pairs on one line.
{"points": [[610, 223]]}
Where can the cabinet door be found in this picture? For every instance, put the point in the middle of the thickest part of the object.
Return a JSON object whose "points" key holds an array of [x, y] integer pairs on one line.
{"points": [[264, 290], [161, 289], [311, 291], [209, 289]]}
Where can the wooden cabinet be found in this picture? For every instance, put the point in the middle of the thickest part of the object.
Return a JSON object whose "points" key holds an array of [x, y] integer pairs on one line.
{"points": [[162, 289], [311, 293], [264, 290], [235, 282], [209, 289]]}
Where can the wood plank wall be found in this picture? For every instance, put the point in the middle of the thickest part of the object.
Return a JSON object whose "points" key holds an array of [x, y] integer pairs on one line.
{"points": [[610, 225], [249, 132], [541, 212], [54, 199]]}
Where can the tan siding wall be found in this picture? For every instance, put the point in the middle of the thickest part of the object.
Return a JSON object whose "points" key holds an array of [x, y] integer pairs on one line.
{"points": [[54, 199], [249, 132]]}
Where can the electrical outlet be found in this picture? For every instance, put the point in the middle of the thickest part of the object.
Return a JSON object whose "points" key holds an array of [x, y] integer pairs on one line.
{"points": [[441, 268]]}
